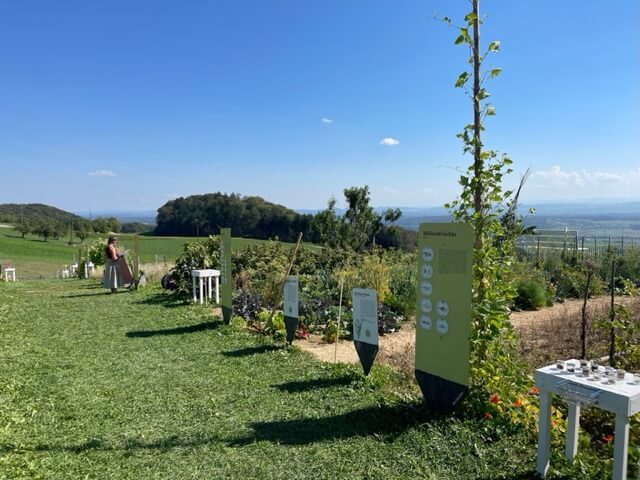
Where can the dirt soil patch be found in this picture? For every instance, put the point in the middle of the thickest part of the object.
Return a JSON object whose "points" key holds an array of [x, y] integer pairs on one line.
{"points": [[398, 349]]}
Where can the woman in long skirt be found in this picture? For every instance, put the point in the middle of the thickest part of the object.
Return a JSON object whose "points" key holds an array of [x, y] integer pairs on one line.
{"points": [[112, 278]]}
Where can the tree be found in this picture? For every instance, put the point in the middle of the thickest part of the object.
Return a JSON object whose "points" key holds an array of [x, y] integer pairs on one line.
{"points": [[44, 229], [326, 226], [82, 232], [25, 227], [358, 227]]}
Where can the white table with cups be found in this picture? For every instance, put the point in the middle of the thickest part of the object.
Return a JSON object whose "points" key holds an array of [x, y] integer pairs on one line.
{"points": [[584, 383]]}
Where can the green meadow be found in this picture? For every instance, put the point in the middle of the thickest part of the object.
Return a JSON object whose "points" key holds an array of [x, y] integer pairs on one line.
{"points": [[34, 258]]}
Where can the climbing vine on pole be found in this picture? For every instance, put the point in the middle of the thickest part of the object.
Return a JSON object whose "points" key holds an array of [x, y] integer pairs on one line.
{"points": [[484, 204]]}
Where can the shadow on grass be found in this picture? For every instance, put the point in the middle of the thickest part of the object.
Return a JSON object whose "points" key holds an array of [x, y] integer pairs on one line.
{"points": [[316, 383], [384, 422], [167, 300], [92, 294], [131, 444], [174, 331], [245, 352]]}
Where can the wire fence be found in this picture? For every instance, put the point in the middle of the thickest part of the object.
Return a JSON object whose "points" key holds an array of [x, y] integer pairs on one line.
{"points": [[542, 244]]}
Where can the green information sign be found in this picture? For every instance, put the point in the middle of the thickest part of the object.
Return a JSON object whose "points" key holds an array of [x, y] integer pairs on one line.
{"points": [[365, 326], [443, 316], [291, 307], [226, 277]]}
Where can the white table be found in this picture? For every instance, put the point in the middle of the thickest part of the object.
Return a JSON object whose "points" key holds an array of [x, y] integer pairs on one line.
{"points": [[202, 275], [10, 272], [621, 398]]}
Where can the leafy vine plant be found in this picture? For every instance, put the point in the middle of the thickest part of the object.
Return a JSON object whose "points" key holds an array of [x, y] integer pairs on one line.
{"points": [[495, 370]]}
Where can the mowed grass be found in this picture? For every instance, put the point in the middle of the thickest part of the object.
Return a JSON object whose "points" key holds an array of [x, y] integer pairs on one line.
{"points": [[35, 258], [139, 386]]}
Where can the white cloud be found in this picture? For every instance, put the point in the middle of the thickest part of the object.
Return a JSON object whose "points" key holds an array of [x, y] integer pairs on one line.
{"points": [[102, 173], [391, 191], [326, 120], [389, 141], [566, 183]]}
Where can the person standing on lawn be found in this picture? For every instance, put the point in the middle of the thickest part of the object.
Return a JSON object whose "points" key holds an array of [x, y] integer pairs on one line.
{"points": [[112, 278]]}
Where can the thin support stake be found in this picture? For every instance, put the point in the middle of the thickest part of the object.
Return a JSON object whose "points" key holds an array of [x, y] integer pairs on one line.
{"points": [[335, 353]]}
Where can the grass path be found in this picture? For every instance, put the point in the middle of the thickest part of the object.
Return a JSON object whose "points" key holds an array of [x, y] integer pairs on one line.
{"points": [[138, 386]]}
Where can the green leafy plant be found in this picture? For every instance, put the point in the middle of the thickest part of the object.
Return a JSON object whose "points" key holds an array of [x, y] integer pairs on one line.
{"points": [[531, 294], [492, 211]]}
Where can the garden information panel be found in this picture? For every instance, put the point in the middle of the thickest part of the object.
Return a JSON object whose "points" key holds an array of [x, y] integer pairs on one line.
{"points": [[443, 315], [291, 307], [365, 326], [226, 277]]}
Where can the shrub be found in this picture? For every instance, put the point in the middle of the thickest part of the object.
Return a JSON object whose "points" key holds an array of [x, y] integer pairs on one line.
{"points": [[97, 251], [531, 294], [571, 281], [195, 256]]}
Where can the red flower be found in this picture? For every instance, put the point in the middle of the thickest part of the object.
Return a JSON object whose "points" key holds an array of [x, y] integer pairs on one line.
{"points": [[607, 438], [517, 403], [494, 398], [488, 416], [534, 391]]}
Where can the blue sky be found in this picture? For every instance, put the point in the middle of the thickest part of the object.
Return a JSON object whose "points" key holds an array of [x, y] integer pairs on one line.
{"points": [[124, 105]]}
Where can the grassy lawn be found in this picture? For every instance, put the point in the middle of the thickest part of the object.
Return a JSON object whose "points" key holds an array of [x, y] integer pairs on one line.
{"points": [[136, 385], [35, 258]]}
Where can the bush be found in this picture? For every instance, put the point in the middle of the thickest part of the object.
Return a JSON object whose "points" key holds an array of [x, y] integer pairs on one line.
{"points": [[195, 256], [531, 294], [571, 281]]}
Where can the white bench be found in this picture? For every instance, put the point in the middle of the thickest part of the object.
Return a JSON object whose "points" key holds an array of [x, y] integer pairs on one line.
{"points": [[10, 272], [202, 275]]}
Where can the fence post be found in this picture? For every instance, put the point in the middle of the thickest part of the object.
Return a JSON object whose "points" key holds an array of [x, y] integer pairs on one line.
{"points": [[595, 247], [538, 252], [622, 244], [582, 248]]}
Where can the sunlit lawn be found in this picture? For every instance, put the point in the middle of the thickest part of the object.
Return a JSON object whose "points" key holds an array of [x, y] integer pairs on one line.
{"points": [[139, 385]]}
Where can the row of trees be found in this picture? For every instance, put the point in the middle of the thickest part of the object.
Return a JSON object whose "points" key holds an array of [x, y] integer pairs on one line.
{"points": [[81, 229], [358, 228]]}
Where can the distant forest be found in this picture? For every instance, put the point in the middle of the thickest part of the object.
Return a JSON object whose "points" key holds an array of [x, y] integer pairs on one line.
{"points": [[254, 217], [201, 215], [50, 222]]}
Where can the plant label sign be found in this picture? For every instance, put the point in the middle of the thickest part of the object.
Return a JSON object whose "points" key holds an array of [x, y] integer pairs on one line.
{"points": [[443, 318], [365, 326], [226, 277], [291, 307]]}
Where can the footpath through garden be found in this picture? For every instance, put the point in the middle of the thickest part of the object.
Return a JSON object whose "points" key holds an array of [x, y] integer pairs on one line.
{"points": [[138, 386]]}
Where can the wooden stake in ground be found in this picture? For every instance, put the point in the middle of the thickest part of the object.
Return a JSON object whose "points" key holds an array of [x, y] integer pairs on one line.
{"points": [[335, 353], [612, 317], [286, 275], [583, 330]]}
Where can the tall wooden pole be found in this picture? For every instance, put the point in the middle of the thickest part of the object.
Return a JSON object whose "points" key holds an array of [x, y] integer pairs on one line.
{"points": [[477, 125]]}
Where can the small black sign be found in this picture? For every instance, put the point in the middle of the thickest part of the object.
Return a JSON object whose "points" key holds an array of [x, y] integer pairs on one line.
{"points": [[367, 354]]}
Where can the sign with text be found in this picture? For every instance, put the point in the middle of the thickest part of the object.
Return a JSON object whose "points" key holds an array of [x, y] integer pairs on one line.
{"points": [[291, 307], [226, 276], [443, 318], [365, 326]]}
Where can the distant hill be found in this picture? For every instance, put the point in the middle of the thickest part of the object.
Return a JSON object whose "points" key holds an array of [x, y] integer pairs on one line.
{"points": [[14, 212]]}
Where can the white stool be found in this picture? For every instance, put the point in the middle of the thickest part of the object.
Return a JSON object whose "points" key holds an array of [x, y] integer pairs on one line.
{"points": [[207, 275], [621, 398], [10, 272]]}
